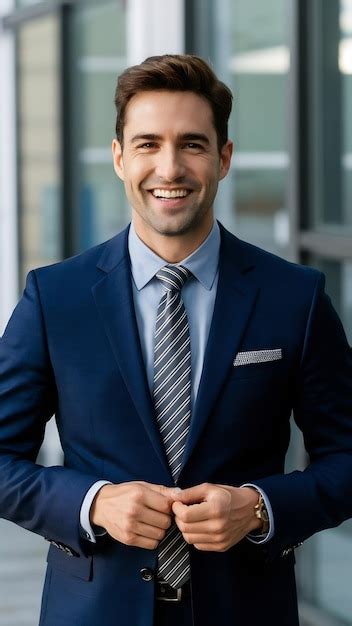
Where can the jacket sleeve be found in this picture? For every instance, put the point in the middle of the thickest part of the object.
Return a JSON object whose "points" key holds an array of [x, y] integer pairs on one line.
{"points": [[45, 500], [320, 497]]}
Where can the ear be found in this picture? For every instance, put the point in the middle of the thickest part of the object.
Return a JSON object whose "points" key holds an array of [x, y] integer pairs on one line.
{"points": [[225, 159], [117, 158]]}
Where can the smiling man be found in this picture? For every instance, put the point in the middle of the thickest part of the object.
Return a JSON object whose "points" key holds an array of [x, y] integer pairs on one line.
{"points": [[172, 357], [172, 170]]}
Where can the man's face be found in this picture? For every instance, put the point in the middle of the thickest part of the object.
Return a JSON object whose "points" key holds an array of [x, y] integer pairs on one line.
{"points": [[170, 163]]}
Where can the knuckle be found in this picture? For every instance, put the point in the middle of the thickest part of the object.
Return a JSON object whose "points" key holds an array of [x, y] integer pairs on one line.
{"points": [[180, 511], [138, 493], [129, 537], [218, 526], [217, 508], [132, 510], [185, 515], [182, 526], [125, 526], [165, 506]]}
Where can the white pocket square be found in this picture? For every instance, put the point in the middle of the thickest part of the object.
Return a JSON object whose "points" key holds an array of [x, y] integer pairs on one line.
{"points": [[257, 356]]}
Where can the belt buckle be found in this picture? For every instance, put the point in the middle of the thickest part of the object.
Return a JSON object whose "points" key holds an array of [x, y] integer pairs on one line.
{"points": [[178, 591]]}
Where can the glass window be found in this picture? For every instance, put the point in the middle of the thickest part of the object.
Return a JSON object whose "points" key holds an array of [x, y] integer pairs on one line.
{"points": [[39, 142], [330, 117], [99, 54], [327, 556], [26, 3], [345, 67], [333, 563], [324, 565], [251, 49]]}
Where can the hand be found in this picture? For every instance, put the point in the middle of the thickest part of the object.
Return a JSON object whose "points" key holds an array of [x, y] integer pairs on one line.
{"points": [[135, 513], [215, 517]]}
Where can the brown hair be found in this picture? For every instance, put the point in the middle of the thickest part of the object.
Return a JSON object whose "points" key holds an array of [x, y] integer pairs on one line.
{"points": [[175, 72]]}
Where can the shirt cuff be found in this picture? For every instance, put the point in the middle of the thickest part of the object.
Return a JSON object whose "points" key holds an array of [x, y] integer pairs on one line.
{"points": [[262, 538], [85, 511]]}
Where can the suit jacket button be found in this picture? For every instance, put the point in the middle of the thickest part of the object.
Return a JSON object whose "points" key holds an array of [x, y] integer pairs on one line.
{"points": [[147, 574]]}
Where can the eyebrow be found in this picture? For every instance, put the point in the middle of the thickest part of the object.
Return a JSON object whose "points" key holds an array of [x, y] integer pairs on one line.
{"points": [[195, 137], [184, 137]]}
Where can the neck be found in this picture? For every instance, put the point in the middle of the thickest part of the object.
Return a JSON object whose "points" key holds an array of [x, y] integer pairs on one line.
{"points": [[172, 249]]}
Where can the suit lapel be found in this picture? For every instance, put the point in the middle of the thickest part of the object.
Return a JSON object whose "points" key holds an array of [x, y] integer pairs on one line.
{"points": [[236, 295], [235, 299], [114, 300]]}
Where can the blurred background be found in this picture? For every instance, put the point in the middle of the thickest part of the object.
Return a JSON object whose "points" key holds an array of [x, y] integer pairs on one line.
{"points": [[289, 64]]}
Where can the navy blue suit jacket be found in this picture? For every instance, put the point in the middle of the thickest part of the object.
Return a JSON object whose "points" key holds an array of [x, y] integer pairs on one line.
{"points": [[72, 349]]}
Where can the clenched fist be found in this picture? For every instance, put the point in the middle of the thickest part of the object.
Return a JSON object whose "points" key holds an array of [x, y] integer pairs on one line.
{"points": [[215, 517], [135, 513]]}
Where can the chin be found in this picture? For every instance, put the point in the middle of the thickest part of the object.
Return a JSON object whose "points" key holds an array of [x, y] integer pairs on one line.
{"points": [[172, 229]]}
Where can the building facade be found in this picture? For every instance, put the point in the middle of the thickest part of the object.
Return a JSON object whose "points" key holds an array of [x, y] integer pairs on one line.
{"points": [[289, 64]]}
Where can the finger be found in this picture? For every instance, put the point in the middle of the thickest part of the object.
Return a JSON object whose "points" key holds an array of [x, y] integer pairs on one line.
{"points": [[149, 532], [154, 518], [192, 513], [149, 544], [157, 501], [197, 538], [193, 495], [144, 542], [207, 527], [211, 547], [132, 539], [168, 492]]}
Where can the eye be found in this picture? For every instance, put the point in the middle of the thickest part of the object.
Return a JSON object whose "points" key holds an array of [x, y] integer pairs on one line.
{"points": [[191, 145], [148, 145]]}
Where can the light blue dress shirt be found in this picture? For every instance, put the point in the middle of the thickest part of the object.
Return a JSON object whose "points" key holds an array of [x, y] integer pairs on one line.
{"points": [[198, 295]]}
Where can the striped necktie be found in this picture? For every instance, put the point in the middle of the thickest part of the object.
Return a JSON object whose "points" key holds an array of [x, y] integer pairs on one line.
{"points": [[172, 401]]}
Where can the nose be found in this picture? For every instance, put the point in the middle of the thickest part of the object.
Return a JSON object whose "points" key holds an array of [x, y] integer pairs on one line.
{"points": [[170, 165]]}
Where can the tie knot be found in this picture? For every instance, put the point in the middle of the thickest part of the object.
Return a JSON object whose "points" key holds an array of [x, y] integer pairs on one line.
{"points": [[173, 277]]}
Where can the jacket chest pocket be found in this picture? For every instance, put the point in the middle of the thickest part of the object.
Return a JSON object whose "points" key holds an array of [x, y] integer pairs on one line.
{"points": [[265, 369]]}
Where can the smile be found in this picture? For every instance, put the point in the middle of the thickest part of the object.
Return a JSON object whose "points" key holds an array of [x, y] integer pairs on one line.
{"points": [[170, 193]]}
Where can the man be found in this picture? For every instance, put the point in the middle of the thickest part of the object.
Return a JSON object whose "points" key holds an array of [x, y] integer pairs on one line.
{"points": [[172, 357]]}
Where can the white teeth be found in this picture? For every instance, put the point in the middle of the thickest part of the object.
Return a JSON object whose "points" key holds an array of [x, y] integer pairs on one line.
{"points": [[166, 193]]}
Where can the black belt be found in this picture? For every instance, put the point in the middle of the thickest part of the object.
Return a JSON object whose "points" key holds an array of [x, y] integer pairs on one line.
{"points": [[168, 594]]}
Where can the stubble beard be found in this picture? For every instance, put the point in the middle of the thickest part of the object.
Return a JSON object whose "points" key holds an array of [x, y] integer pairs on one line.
{"points": [[176, 226]]}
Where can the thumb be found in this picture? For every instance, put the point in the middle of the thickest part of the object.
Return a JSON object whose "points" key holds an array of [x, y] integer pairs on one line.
{"points": [[193, 495], [169, 492]]}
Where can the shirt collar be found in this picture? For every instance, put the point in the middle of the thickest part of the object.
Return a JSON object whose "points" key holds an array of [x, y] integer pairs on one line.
{"points": [[203, 262]]}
